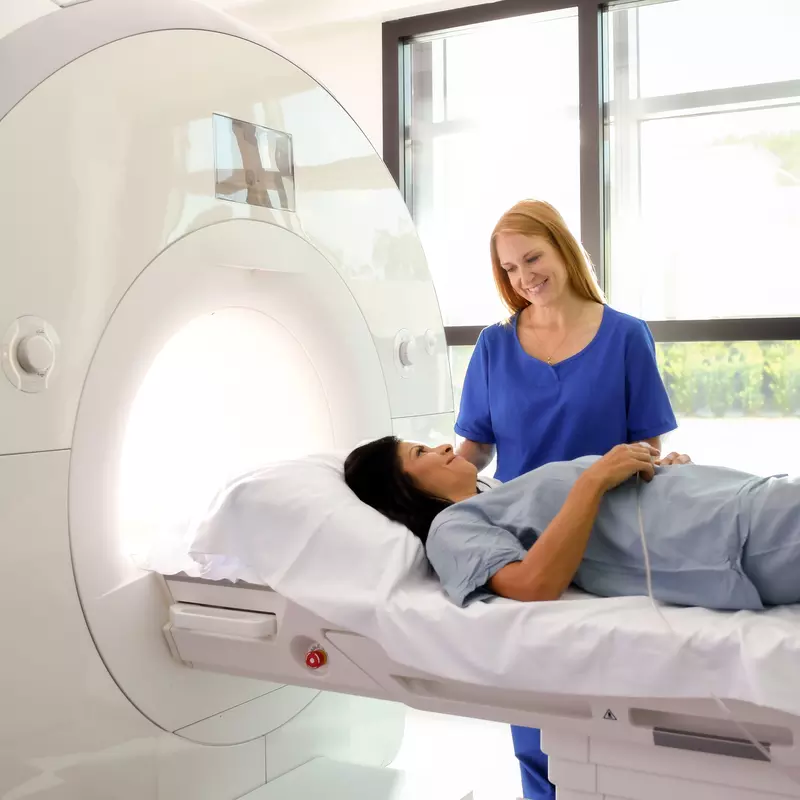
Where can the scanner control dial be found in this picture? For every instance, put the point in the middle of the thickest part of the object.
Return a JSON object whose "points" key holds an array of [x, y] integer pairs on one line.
{"points": [[35, 354], [28, 353], [408, 352]]}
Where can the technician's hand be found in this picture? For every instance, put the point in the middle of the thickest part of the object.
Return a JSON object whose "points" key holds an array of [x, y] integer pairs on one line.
{"points": [[622, 462], [673, 458]]}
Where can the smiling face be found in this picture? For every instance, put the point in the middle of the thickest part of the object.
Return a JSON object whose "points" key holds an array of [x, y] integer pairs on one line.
{"points": [[438, 470], [535, 268]]}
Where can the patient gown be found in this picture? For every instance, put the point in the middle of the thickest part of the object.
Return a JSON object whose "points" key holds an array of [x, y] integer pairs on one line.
{"points": [[716, 537]]}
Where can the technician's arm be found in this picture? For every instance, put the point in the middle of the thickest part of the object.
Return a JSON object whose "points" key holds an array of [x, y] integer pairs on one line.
{"points": [[673, 458], [478, 453], [550, 565], [655, 443]]}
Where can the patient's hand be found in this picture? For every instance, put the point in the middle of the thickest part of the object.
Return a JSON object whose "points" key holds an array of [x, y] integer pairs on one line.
{"points": [[673, 458]]}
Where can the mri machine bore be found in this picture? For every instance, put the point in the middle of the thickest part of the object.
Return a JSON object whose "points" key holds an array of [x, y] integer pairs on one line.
{"points": [[205, 266]]}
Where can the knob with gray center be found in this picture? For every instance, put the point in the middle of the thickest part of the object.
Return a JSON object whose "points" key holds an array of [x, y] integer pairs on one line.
{"points": [[35, 354], [29, 351], [408, 352]]}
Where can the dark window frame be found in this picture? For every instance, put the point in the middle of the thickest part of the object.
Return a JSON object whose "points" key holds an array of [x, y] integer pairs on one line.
{"points": [[593, 180]]}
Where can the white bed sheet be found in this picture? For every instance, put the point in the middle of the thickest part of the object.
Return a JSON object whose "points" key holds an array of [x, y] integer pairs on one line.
{"points": [[298, 529], [579, 645]]}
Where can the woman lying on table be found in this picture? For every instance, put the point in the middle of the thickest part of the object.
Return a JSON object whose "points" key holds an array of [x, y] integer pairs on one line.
{"points": [[716, 537]]}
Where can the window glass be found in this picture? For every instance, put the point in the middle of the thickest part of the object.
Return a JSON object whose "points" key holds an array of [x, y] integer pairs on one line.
{"points": [[704, 199], [493, 120], [737, 403], [459, 361], [719, 44]]}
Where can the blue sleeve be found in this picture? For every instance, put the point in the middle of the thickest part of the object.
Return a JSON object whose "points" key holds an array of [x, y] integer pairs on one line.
{"points": [[466, 554], [474, 417], [649, 411]]}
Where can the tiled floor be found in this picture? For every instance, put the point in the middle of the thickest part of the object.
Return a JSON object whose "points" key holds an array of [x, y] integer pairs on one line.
{"points": [[467, 749]]}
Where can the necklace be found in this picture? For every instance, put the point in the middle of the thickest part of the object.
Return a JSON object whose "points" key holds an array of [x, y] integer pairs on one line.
{"points": [[549, 359]]}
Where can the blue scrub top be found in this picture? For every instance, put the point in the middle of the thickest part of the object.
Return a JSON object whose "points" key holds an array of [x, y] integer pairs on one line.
{"points": [[609, 393]]}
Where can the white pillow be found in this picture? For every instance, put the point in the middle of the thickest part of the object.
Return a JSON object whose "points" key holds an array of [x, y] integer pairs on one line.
{"points": [[298, 528]]}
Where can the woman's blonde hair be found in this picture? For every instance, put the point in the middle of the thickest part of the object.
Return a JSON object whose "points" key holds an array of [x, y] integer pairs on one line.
{"points": [[537, 218]]}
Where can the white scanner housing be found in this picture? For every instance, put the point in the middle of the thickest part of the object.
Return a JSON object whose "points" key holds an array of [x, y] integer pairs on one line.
{"points": [[200, 253]]}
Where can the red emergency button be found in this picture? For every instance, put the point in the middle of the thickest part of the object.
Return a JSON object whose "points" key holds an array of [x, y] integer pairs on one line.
{"points": [[316, 658]]}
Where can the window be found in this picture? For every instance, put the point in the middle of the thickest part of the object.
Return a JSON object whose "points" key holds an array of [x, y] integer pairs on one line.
{"points": [[704, 159], [459, 361], [680, 170], [722, 44], [737, 403], [492, 118], [683, 162]]}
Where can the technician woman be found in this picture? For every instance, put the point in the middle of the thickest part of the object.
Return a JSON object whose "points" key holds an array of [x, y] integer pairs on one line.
{"points": [[565, 376]]}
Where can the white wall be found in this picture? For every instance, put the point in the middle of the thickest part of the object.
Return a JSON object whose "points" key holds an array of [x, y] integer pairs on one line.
{"points": [[346, 58]]}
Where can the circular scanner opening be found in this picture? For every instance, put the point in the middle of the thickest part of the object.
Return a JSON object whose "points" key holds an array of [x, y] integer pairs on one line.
{"points": [[231, 392]]}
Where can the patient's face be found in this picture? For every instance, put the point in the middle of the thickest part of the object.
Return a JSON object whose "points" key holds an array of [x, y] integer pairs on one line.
{"points": [[438, 470]]}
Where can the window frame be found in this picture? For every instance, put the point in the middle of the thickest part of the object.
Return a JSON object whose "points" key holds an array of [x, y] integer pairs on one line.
{"points": [[594, 183]]}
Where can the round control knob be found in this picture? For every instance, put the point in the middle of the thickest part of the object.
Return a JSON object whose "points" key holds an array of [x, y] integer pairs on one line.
{"points": [[316, 658], [29, 353], [408, 352], [430, 342], [35, 354]]}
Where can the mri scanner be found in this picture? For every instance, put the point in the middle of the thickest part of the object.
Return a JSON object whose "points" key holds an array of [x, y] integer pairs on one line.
{"points": [[205, 264]]}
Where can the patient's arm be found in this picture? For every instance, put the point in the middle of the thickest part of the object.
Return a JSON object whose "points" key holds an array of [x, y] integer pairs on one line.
{"points": [[550, 565]]}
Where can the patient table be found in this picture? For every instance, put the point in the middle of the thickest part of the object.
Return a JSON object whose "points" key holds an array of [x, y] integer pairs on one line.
{"points": [[618, 745]]}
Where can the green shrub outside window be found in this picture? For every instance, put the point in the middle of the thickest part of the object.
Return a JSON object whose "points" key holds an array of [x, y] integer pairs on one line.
{"points": [[732, 379]]}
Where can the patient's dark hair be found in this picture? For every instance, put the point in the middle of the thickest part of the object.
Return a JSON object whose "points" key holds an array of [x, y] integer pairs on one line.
{"points": [[375, 474]]}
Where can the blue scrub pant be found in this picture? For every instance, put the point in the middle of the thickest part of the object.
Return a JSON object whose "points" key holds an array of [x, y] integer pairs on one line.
{"points": [[532, 763]]}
